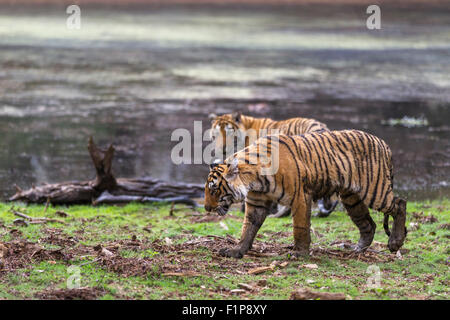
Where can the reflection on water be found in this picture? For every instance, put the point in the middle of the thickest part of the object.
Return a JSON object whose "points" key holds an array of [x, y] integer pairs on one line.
{"points": [[131, 78]]}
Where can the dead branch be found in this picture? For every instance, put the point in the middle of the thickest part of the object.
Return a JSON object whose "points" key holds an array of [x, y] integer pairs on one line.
{"points": [[33, 220], [105, 188]]}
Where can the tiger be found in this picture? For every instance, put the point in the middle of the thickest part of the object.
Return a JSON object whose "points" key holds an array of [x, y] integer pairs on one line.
{"points": [[354, 164], [228, 126]]}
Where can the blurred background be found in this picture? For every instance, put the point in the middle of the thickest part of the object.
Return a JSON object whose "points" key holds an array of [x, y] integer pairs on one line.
{"points": [[137, 70]]}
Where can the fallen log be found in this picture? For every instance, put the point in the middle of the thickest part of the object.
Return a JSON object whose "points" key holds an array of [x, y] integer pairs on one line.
{"points": [[105, 188]]}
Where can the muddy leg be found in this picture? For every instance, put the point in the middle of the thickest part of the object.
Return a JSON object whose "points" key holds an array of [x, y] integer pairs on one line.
{"points": [[398, 233], [254, 218], [301, 219], [359, 213]]}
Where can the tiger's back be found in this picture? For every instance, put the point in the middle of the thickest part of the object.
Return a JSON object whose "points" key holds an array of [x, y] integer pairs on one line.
{"points": [[262, 126]]}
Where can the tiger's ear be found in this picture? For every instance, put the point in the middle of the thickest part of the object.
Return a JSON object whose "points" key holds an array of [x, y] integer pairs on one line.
{"points": [[232, 169], [212, 116], [236, 116], [214, 164]]}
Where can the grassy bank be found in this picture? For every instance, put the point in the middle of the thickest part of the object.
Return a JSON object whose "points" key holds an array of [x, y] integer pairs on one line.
{"points": [[144, 252]]}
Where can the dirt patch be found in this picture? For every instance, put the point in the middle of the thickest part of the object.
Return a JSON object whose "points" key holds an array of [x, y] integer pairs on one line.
{"points": [[376, 253], [422, 218], [129, 266], [71, 294], [19, 254], [58, 237], [162, 257], [203, 218], [184, 258]]}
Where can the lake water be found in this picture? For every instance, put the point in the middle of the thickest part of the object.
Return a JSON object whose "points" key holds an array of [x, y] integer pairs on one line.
{"points": [[131, 77]]}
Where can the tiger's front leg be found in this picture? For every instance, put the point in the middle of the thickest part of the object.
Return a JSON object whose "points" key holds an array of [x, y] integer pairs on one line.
{"points": [[301, 220], [253, 220]]}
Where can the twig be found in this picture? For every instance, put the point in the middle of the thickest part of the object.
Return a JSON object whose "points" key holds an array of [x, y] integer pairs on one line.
{"points": [[34, 220], [171, 209], [20, 214], [89, 262], [46, 205]]}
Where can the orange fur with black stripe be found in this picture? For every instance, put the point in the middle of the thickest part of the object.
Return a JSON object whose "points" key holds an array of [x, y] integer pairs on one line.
{"points": [[351, 163], [235, 131], [228, 124]]}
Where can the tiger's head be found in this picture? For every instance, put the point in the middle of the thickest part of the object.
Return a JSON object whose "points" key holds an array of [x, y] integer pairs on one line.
{"points": [[227, 131], [223, 187]]}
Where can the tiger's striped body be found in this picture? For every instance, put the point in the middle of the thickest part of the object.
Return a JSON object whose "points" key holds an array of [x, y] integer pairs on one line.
{"points": [[228, 126], [230, 123], [351, 163]]}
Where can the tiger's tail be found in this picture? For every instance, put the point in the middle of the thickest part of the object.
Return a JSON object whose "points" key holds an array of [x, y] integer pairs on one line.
{"points": [[386, 224]]}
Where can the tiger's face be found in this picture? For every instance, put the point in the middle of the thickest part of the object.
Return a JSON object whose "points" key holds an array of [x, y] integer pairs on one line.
{"points": [[227, 131], [220, 193]]}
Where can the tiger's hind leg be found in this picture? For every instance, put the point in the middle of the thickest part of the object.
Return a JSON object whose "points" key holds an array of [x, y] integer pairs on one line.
{"points": [[359, 213], [398, 233]]}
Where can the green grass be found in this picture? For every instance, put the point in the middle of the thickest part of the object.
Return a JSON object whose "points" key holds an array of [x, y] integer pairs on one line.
{"points": [[422, 273]]}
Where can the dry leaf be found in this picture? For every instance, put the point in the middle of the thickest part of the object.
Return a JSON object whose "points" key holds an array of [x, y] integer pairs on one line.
{"points": [[262, 282], [260, 270], [245, 286], [311, 266], [237, 291], [182, 274], [106, 252], [62, 214], [3, 250]]}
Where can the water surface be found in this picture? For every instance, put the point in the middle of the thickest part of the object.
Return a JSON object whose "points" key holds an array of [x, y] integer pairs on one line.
{"points": [[130, 77]]}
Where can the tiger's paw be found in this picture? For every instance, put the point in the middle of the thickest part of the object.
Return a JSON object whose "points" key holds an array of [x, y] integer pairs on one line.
{"points": [[232, 253], [394, 244], [300, 253]]}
